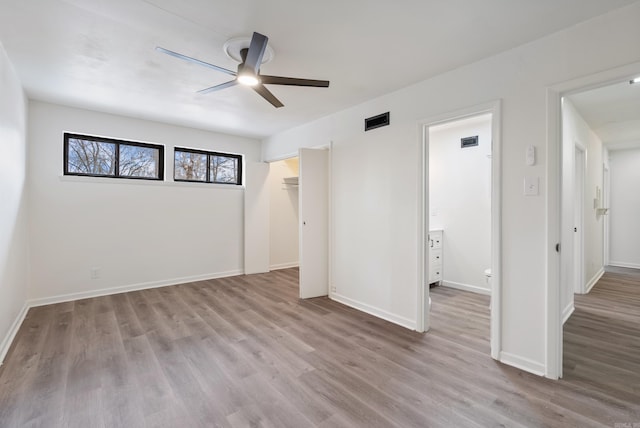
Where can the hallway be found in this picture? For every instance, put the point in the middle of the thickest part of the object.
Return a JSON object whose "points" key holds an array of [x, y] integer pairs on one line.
{"points": [[602, 344]]}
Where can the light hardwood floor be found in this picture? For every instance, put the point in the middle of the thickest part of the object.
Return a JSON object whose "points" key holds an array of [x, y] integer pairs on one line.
{"points": [[244, 351]]}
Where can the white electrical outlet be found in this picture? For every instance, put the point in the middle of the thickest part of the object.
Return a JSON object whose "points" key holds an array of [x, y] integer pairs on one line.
{"points": [[95, 273]]}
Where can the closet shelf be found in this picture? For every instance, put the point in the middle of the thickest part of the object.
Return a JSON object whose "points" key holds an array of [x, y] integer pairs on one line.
{"points": [[289, 183]]}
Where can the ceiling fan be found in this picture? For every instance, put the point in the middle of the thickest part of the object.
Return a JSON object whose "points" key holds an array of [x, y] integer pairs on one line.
{"points": [[249, 71]]}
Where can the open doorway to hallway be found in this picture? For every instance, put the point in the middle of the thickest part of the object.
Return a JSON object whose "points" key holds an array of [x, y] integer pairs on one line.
{"points": [[599, 203]]}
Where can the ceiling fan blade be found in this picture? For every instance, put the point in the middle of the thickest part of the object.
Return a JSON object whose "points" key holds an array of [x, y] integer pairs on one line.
{"points": [[224, 85], [256, 51], [292, 81], [195, 61], [264, 92]]}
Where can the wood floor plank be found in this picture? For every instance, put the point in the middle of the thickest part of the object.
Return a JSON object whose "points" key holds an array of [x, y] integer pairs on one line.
{"points": [[245, 351]]}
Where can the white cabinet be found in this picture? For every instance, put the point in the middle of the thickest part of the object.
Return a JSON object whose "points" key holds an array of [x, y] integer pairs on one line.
{"points": [[434, 246]]}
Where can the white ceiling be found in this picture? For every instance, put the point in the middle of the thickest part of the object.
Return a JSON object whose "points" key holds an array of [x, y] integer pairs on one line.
{"points": [[100, 54], [612, 112]]}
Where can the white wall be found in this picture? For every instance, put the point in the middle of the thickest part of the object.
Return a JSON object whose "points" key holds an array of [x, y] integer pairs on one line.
{"points": [[137, 233], [377, 175], [283, 215], [460, 200], [624, 168], [13, 203]]}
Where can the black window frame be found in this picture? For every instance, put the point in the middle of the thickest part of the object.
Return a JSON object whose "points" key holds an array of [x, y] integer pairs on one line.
{"points": [[209, 154], [68, 136]]}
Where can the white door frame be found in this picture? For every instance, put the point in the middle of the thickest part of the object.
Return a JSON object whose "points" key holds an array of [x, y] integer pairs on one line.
{"points": [[422, 316], [606, 188], [579, 180], [553, 316]]}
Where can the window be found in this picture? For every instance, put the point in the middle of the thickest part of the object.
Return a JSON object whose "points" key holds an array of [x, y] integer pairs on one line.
{"points": [[207, 167], [107, 157]]}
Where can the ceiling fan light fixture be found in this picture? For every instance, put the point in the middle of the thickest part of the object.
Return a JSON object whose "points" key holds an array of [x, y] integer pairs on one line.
{"points": [[251, 55], [248, 79]]}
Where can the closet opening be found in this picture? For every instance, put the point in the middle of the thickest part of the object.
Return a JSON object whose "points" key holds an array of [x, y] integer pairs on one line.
{"points": [[299, 218]]}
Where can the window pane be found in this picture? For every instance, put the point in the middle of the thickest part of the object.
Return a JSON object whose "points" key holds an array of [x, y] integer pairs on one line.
{"points": [[137, 161], [223, 169], [190, 166], [91, 157]]}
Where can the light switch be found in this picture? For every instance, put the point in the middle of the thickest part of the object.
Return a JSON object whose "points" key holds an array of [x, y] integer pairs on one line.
{"points": [[531, 186]]}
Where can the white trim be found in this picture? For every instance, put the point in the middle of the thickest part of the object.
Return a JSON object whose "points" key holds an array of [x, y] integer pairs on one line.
{"points": [[376, 312], [593, 281], [567, 312], [553, 328], [284, 265], [496, 230], [330, 223], [281, 157], [422, 316], [11, 334], [137, 182], [126, 288], [552, 316], [423, 309], [625, 265], [467, 287], [522, 363], [578, 211]]}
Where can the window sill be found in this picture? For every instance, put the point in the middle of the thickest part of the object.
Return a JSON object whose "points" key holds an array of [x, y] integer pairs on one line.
{"points": [[135, 182]]}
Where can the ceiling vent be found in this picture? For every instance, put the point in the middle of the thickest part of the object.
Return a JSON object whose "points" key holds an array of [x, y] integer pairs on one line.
{"points": [[469, 142], [376, 121]]}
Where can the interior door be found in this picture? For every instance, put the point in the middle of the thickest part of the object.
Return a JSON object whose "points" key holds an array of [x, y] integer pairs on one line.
{"points": [[256, 218], [578, 238], [314, 222]]}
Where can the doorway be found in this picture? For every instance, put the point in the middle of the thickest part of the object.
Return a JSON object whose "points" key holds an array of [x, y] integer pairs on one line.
{"points": [[283, 214], [607, 104], [299, 219], [438, 210]]}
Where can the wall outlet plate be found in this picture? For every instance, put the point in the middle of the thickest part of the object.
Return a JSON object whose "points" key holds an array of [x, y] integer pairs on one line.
{"points": [[531, 186]]}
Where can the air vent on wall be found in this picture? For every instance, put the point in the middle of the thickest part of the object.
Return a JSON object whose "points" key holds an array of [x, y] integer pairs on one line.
{"points": [[469, 141], [376, 121]]}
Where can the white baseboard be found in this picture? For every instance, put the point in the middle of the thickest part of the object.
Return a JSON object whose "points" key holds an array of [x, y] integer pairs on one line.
{"points": [[376, 312], [284, 266], [522, 363], [467, 287], [624, 265], [125, 288], [11, 334], [567, 312], [594, 280]]}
